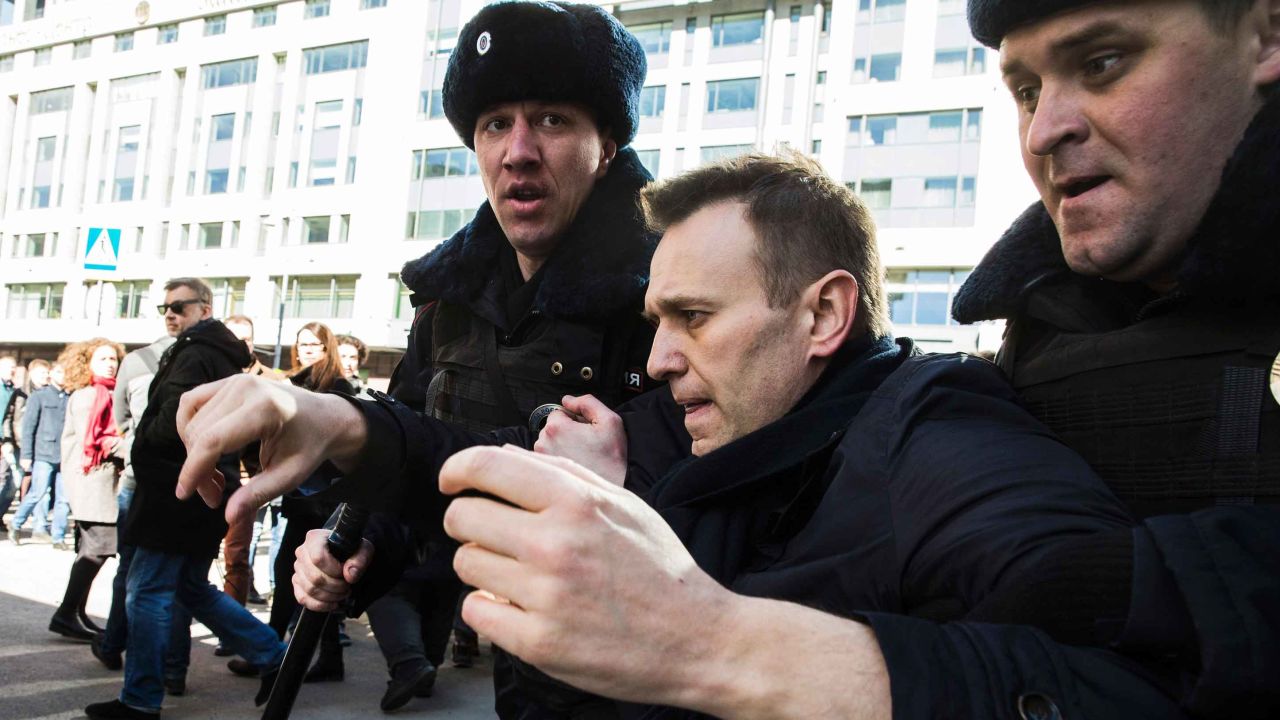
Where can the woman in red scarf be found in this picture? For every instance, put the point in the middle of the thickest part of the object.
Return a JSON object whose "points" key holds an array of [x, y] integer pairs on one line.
{"points": [[90, 467]]}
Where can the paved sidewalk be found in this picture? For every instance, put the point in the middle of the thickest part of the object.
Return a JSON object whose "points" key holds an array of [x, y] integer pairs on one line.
{"points": [[44, 677]]}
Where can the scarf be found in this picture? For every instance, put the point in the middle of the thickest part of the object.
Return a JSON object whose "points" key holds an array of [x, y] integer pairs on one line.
{"points": [[100, 436]]}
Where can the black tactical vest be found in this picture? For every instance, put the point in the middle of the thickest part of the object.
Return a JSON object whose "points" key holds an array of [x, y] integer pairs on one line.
{"points": [[1174, 411], [481, 384]]}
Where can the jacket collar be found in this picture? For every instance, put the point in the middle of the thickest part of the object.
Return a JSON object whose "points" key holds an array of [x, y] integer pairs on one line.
{"points": [[1233, 255], [600, 268], [214, 334], [818, 420]]}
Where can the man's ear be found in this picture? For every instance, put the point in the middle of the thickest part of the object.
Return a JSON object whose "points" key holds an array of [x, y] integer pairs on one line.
{"points": [[832, 302], [608, 150], [1267, 70]]}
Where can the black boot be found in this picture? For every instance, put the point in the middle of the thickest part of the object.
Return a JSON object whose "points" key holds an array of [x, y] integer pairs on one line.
{"points": [[85, 620], [68, 625], [409, 679], [66, 620]]}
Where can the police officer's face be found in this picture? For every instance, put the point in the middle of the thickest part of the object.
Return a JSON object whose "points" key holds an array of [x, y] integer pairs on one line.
{"points": [[1128, 113], [539, 161], [733, 363]]}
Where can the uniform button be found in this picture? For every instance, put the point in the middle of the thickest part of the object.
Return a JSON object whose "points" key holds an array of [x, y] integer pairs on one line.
{"points": [[1036, 706], [586, 373], [556, 368]]}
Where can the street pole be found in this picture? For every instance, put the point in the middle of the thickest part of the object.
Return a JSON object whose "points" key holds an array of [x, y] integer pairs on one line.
{"points": [[284, 290], [99, 323]]}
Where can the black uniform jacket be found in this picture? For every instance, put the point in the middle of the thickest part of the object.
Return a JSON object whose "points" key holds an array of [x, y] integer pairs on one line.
{"points": [[157, 519], [902, 490], [1167, 396]]}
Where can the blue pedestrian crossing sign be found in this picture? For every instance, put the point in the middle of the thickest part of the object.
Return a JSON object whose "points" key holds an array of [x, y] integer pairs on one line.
{"points": [[102, 251]]}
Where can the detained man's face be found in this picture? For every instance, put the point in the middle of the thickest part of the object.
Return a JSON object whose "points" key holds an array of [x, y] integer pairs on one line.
{"points": [[1128, 113], [539, 162], [733, 363]]}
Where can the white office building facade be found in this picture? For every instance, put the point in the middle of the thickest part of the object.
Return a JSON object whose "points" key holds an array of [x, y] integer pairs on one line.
{"points": [[295, 154]]}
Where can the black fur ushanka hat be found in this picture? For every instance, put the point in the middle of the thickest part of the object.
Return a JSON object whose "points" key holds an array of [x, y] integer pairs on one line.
{"points": [[554, 51], [991, 20]]}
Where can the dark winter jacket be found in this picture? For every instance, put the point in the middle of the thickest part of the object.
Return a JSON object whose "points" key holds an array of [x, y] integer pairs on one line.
{"points": [[486, 350], [312, 512], [42, 425], [1166, 396], [908, 485], [157, 519]]}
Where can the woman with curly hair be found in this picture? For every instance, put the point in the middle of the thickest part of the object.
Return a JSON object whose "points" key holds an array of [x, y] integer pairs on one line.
{"points": [[91, 466], [316, 367]]}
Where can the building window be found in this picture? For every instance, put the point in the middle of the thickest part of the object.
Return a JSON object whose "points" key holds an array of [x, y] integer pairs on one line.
{"points": [[124, 42], [877, 193], [35, 302], [737, 29], [264, 16], [215, 25], [231, 72], [127, 143], [316, 229], [939, 192], [444, 162], [732, 95], [950, 7], [432, 224], [884, 68], [319, 297], [402, 307], [821, 79], [224, 126], [431, 103], [82, 49], [131, 298], [357, 112], [715, 153], [167, 34], [334, 58], [959, 61], [6, 63], [210, 236], [35, 245], [649, 159], [228, 296], [215, 181], [316, 8], [655, 38], [653, 100], [815, 148], [44, 56], [325, 131], [944, 126], [922, 297], [881, 11], [370, 4]]}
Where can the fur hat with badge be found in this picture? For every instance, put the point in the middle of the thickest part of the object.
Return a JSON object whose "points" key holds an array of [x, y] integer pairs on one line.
{"points": [[551, 51], [991, 20]]}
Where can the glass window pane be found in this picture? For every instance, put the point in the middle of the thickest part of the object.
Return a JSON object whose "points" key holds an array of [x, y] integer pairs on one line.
{"points": [[944, 127], [882, 130], [655, 38], [885, 68], [900, 307], [224, 126], [931, 308], [877, 194], [940, 192]]}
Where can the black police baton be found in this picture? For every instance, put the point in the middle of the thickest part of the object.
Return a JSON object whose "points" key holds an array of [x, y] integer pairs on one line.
{"points": [[346, 530]]}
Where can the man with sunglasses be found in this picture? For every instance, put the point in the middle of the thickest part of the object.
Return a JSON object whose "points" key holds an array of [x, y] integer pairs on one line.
{"points": [[174, 542]]}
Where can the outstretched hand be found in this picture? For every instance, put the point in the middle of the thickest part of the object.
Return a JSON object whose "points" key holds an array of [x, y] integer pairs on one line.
{"points": [[299, 430]]}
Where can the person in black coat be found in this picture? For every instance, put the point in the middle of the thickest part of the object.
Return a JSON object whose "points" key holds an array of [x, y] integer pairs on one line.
{"points": [[825, 469], [176, 541]]}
